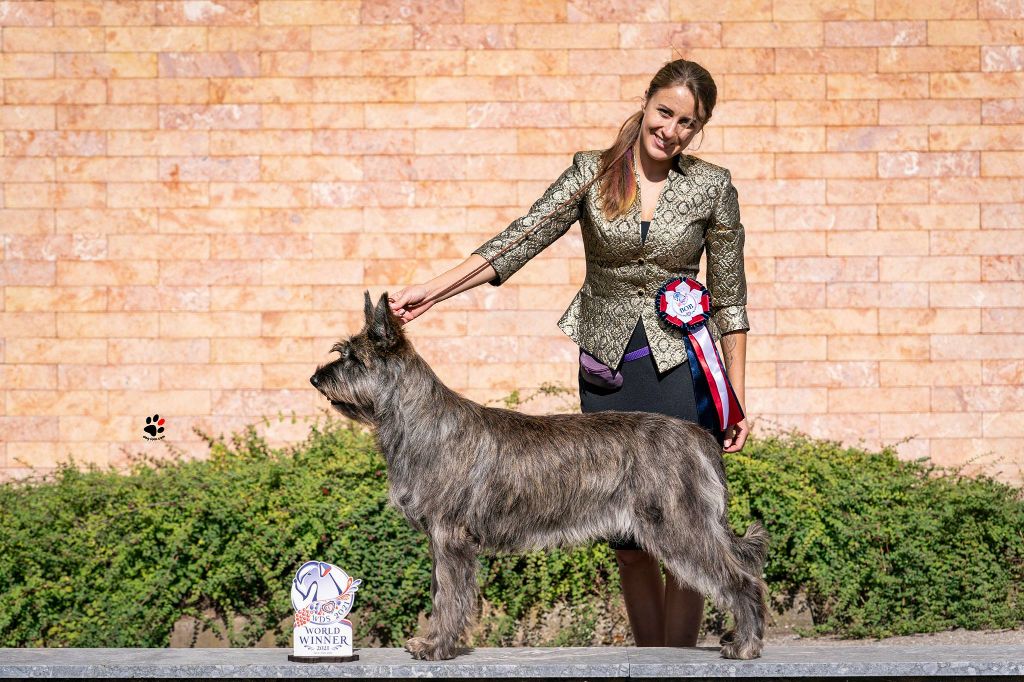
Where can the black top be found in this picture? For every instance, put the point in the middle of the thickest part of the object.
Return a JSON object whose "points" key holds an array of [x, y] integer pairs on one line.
{"points": [[644, 226]]}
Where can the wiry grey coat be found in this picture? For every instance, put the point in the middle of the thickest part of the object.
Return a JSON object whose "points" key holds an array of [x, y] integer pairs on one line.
{"points": [[480, 479]]}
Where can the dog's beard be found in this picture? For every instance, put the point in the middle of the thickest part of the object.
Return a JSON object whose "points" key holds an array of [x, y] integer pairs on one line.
{"points": [[352, 411]]}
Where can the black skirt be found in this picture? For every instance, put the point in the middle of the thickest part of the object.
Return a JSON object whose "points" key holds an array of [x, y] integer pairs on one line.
{"points": [[644, 389]]}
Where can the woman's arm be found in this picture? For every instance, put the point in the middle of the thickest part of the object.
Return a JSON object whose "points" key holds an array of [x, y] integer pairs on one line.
{"points": [[407, 303], [727, 280], [734, 347], [549, 218], [727, 284], [508, 251]]}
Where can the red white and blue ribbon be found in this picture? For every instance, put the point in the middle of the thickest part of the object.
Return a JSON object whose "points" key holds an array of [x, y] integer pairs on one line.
{"points": [[685, 303]]}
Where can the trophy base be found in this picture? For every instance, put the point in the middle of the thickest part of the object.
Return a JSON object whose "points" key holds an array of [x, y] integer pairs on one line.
{"points": [[323, 659]]}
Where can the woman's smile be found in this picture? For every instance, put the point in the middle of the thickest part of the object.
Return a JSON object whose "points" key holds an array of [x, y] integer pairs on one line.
{"points": [[661, 144]]}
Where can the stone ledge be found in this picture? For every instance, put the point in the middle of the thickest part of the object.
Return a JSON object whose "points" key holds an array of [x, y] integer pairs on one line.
{"points": [[818, 661]]}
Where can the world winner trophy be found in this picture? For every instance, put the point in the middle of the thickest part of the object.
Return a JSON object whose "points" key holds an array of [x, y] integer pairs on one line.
{"points": [[322, 596]]}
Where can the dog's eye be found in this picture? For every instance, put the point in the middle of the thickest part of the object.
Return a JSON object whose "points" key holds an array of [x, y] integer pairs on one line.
{"points": [[343, 348]]}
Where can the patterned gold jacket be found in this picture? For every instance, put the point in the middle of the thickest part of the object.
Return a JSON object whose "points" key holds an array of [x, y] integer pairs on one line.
{"points": [[698, 207]]}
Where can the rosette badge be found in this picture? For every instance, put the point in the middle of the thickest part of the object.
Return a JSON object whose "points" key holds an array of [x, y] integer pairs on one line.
{"points": [[685, 303], [322, 595]]}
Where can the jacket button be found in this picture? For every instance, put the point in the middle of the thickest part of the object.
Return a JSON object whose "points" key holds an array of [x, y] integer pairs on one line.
{"points": [[639, 292], [640, 261]]}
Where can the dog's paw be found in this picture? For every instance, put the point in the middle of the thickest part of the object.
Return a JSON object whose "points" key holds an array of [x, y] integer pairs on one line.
{"points": [[742, 651], [417, 646], [424, 649], [727, 637]]}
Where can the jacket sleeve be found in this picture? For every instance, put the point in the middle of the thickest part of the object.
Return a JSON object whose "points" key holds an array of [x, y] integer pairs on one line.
{"points": [[567, 184], [727, 281]]}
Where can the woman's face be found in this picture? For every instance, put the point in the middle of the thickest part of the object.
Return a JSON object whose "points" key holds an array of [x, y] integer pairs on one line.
{"points": [[669, 123]]}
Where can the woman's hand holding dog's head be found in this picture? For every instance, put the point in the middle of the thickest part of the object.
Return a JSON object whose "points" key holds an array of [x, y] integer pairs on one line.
{"points": [[408, 304]]}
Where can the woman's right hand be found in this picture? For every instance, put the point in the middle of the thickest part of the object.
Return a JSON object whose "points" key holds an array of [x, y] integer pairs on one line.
{"points": [[408, 303]]}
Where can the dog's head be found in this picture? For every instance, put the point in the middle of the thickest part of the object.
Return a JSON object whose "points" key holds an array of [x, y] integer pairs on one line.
{"points": [[368, 362]]}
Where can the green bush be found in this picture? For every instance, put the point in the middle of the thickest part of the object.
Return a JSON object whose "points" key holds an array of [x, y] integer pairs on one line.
{"points": [[880, 546], [96, 558]]}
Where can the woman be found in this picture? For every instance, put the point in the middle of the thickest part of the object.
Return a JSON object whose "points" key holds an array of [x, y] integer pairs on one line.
{"points": [[647, 211]]}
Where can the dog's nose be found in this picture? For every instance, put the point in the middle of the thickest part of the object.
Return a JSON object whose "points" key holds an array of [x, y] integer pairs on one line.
{"points": [[313, 380]]}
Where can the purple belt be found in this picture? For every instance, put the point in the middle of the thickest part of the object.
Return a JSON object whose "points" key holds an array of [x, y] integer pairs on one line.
{"points": [[637, 354], [596, 372]]}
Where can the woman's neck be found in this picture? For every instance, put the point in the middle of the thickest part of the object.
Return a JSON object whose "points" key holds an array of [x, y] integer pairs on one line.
{"points": [[654, 171]]}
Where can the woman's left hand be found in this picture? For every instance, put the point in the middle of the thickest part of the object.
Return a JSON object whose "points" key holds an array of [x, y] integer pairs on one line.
{"points": [[736, 436]]}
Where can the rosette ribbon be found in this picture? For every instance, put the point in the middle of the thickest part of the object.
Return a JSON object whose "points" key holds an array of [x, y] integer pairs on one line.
{"points": [[685, 303]]}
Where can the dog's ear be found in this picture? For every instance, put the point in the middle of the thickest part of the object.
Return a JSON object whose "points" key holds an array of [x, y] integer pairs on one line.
{"points": [[385, 327], [368, 308]]}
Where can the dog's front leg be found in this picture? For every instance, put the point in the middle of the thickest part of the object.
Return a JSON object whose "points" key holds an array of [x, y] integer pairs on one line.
{"points": [[453, 593]]}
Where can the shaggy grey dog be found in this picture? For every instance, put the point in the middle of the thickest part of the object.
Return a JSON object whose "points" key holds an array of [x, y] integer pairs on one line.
{"points": [[480, 479]]}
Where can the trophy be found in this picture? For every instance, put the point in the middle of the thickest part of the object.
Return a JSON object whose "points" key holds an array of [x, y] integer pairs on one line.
{"points": [[322, 596]]}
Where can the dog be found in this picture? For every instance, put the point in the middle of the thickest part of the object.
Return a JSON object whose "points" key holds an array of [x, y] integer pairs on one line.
{"points": [[479, 479]]}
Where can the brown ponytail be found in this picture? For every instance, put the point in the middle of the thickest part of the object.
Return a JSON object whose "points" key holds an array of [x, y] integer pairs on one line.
{"points": [[618, 184]]}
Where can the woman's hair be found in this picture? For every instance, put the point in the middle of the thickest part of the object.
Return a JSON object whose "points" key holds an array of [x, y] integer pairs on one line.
{"points": [[617, 187]]}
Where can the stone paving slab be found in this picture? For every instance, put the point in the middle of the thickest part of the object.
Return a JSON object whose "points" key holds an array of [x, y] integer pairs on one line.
{"points": [[826, 661], [594, 662]]}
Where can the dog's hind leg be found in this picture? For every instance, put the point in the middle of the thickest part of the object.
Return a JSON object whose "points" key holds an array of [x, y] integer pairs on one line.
{"points": [[752, 549], [709, 563], [453, 593]]}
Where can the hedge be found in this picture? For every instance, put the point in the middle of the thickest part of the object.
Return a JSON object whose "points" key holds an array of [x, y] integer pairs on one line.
{"points": [[96, 558]]}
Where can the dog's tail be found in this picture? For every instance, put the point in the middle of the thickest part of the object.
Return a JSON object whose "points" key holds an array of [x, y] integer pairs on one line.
{"points": [[752, 548]]}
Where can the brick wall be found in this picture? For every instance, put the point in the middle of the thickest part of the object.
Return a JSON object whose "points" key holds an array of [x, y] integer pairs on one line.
{"points": [[196, 194]]}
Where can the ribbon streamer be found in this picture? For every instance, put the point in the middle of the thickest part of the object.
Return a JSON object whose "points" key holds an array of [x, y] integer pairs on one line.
{"points": [[685, 303]]}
